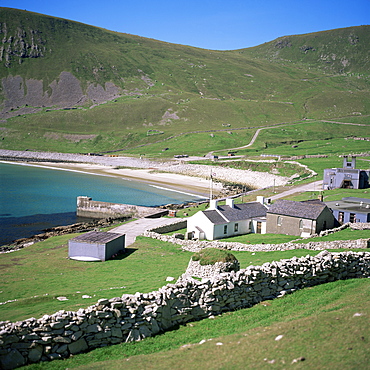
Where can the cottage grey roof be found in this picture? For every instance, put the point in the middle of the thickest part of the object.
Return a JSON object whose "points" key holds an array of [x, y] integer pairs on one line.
{"points": [[214, 217], [309, 209], [239, 212], [96, 237]]}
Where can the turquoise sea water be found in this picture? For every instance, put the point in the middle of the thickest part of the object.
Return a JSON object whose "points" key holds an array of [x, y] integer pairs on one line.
{"points": [[35, 198]]}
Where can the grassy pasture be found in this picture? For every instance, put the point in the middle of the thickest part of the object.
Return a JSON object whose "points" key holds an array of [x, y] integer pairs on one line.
{"points": [[325, 326], [43, 268], [346, 234], [27, 275], [335, 194], [320, 328]]}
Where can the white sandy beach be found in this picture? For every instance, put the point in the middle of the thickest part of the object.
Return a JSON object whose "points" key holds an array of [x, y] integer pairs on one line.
{"points": [[182, 183], [175, 175]]}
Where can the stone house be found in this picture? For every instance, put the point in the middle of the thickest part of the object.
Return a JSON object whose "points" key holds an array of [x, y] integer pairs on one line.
{"points": [[350, 209], [347, 177], [299, 218], [222, 221]]}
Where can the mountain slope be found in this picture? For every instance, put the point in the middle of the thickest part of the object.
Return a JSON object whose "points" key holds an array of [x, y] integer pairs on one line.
{"points": [[344, 50], [51, 66]]}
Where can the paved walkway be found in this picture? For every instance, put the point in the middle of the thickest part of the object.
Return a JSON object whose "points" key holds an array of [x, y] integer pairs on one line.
{"points": [[137, 227], [313, 186]]}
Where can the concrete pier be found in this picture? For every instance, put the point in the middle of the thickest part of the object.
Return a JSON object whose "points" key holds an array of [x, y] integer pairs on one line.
{"points": [[86, 207]]}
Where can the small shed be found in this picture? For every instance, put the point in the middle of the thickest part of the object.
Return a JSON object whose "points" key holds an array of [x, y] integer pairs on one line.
{"points": [[96, 246]]}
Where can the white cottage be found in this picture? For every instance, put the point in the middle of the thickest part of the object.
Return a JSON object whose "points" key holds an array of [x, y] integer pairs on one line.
{"points": [[222, 221]]}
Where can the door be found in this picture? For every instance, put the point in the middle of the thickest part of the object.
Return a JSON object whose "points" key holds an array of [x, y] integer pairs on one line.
{"points": [[259, 227]]}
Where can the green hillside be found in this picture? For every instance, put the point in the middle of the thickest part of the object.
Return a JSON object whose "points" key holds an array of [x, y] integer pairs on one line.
{"points": [[71, 87], [344, 50]]}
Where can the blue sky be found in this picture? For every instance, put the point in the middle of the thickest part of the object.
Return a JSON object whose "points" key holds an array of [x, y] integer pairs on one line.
{"points": [[209, 24]]}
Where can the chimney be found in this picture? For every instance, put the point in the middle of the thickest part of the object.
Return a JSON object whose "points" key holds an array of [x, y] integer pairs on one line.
{"points": [[213, 204], [230, 202], [347, 164], [260, 199], [345, 161]]}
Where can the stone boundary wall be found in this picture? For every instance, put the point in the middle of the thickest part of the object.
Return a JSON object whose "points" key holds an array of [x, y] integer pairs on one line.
{"points": [[86, 207], [197, 245], [207, 271], [171, 227], [135, 317]]}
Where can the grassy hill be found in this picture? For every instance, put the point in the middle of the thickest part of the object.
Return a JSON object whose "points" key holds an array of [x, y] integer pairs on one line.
{"points": [[132, 91], [342, 50], [337, 311]]}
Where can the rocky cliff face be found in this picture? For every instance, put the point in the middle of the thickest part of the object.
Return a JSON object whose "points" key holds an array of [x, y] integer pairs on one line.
{"points": [[20, 44], [22, 94]]}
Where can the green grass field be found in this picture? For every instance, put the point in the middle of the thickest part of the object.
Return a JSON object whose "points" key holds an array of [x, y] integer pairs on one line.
{"points": [[27, 277], [325, 327], [305, 319]]}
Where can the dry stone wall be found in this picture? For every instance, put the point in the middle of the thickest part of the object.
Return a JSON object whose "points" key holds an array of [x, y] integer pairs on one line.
{"points": [[197, 245], [135, 317], [171, 227], [206, 271]]}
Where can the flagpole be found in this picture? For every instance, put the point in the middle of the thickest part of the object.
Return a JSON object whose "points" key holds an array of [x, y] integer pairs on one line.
{"points": [[210, 188]]}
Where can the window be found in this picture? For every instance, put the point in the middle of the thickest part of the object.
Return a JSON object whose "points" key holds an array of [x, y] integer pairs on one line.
{"points": [[352, 217], [279, 220], [225, 229], [341, 217], [301, 224], [236, 227]]}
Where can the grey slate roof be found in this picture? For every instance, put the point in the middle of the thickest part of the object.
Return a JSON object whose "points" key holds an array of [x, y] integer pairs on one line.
{"points": [[240, 212], [214, 217], [308, 209], [96, 237]]}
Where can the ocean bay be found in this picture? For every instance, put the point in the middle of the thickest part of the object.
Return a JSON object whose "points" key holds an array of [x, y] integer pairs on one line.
{"points": [[33, 198]]}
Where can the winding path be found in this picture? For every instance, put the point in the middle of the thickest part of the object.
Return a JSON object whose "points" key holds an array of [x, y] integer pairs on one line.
{"points": [[286, 124]]}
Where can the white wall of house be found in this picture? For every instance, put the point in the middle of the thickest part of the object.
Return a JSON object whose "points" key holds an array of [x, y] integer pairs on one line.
{"points": [[199, 225], [200, 221], [231, 229], [213, 232]]}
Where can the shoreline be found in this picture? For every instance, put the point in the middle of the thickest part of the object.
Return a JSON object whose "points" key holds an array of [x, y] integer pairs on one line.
{"points": [[173, 174], [194, 186]]}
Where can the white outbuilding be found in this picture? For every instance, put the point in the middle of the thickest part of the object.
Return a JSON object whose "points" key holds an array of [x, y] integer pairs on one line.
{"points": [[96, 246]]}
